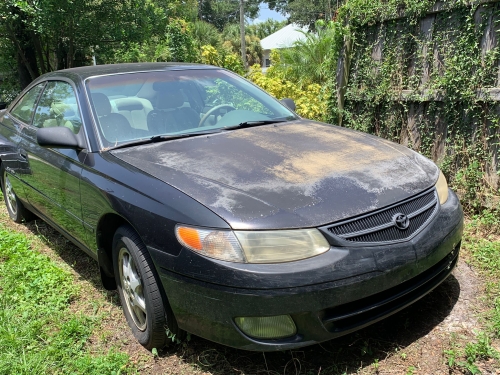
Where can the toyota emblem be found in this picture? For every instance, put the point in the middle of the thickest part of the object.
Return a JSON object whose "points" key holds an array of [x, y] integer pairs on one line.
{"points": [[401, 221]]}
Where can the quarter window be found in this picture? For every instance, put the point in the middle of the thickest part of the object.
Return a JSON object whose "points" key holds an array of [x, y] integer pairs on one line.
{"points": [[24, 108], [57, 107]]}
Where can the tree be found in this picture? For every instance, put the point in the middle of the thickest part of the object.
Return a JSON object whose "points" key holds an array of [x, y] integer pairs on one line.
{"points": [[309, 60], [205, 33], [46, 35], [232, 40], [266, 28], [222, 12], [306, 12]]}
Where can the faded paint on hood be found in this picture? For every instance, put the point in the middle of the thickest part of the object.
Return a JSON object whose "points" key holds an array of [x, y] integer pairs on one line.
{"points": [[291, 175]]}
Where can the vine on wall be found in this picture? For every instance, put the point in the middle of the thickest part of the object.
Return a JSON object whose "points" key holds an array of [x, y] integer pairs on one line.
{"points": [[423, 79]]}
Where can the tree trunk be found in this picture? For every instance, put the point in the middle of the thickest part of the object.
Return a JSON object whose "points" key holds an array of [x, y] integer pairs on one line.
{"points": [[39, 53], [26, 57]]}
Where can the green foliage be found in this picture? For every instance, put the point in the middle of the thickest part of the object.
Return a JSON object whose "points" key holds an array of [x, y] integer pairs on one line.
{"points": [[38, 334], [205, 34], [301, 72], [47, 35], [232, 41], [252, 47], [176, 44], [468, 357], [179, 44], [265, 28], [483, 246], [223, 57], [306, 12], [309, 100], [362, 12], [223, 92], [222, 12], [9, 82], [310, 60], [55, 34], [420, 87]]}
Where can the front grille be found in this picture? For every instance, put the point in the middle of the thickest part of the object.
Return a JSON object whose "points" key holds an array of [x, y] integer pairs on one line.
{"points": [[381, 226]]}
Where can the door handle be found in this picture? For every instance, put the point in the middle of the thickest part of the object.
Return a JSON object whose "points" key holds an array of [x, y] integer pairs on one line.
{"points": [[23, 154]]}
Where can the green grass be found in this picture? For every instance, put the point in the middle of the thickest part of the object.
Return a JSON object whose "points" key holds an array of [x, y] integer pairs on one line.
{"points": [[38, 332], [482, 243]]}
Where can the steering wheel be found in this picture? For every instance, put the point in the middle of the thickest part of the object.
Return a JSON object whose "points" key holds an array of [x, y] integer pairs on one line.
{"points": [[211, 111]]}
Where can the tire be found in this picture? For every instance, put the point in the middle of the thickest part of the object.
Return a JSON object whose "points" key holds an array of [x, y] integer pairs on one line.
{"points": [[15, 208], [147, 312]]}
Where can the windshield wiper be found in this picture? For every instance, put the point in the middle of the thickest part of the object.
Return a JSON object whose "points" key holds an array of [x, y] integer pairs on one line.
{"points": [[249, 124], [161, 138]]}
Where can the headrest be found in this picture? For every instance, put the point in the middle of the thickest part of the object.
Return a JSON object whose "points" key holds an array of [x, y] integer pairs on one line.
{"points": [[101, 104], [130, 104], [164, 85], [169, 100]]}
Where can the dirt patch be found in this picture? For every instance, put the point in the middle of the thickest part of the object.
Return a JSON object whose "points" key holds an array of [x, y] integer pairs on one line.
{"points": [[412, 341]]}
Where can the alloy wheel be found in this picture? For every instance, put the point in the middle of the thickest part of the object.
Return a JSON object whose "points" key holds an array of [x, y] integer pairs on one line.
{"points": [[132, 289], [10, 195]]}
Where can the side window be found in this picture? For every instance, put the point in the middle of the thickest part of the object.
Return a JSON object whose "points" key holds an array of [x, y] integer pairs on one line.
{"points": [[57, 107], [25, 107]]}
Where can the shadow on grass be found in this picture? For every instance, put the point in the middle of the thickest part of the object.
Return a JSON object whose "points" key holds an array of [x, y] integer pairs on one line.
{"points": [[346, 354], [84, 265]]}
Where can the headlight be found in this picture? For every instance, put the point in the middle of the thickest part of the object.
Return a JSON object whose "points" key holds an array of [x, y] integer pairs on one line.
{"points": [[442, 188], [274, 246]]}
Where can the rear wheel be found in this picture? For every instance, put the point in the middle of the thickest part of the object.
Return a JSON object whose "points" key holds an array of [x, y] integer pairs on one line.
{"points": [[147, 312], [17, 211]]}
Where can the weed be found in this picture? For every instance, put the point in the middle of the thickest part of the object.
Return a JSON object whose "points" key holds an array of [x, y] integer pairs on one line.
{"points": [[376, 365], [154, 352]]}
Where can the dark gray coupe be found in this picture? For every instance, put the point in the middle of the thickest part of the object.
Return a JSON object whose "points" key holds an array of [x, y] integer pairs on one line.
{"points": [[214, 209]]}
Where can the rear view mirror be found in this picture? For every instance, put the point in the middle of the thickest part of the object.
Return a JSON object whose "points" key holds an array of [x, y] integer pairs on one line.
{"points": [[288, 103], [57, 137]]}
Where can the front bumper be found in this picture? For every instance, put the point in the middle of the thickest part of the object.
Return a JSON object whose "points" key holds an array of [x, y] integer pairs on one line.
{"points": [[326, 296]]}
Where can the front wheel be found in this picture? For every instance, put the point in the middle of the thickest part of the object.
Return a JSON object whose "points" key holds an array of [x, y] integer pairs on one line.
{"points": [[15, 208], [147, 314]]}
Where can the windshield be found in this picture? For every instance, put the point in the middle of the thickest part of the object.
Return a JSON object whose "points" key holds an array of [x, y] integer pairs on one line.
{"points": [[136, 106]]}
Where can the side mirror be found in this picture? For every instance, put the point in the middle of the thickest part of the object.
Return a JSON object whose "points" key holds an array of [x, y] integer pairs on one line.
{"points": [[289, 103], [57, 137]]}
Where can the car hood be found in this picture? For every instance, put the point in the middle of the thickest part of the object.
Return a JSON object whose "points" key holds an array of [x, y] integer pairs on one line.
{"points": [[290, 175]]}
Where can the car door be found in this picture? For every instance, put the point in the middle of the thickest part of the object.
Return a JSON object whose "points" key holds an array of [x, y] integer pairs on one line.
{"points": [[11, 125], [54, 178]]}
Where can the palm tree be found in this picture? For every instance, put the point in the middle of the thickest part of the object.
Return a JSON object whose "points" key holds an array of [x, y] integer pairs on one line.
{"points": [[308, 61], [205, 33], [231, 36]]}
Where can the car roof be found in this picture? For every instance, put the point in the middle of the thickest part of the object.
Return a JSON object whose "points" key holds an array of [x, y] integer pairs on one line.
{"points": [[97, 70]]}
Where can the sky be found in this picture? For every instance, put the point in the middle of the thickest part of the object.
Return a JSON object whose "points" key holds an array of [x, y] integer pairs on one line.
{"points": [[266, 13]]}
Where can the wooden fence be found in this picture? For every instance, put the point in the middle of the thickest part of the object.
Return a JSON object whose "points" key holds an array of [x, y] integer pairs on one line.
{"points": [[395, 79]]}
